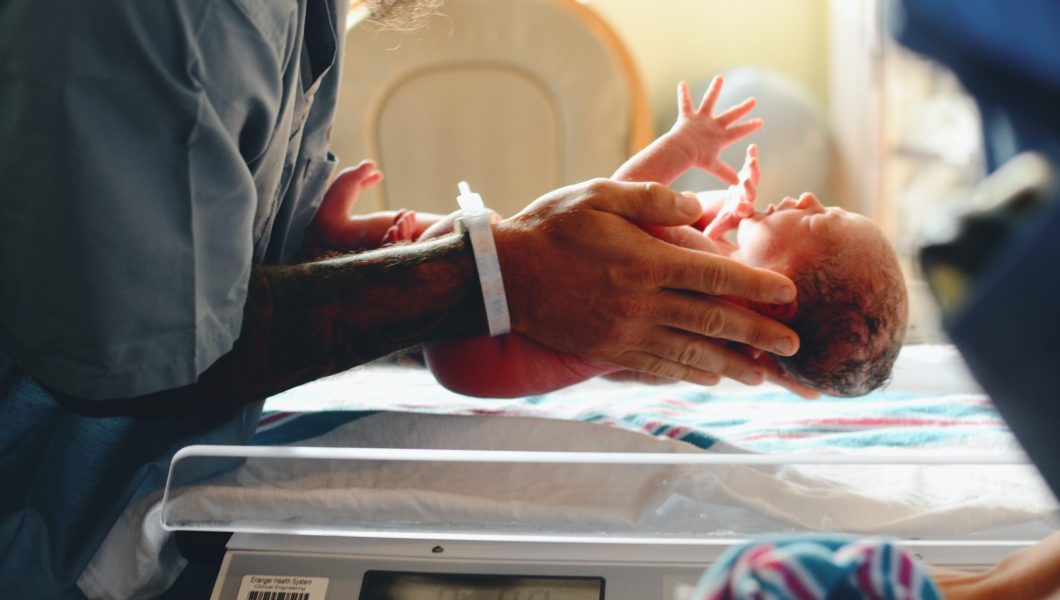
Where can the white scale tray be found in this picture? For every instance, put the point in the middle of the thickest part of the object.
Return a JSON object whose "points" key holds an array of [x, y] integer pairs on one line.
{"points": [[349, 522]]}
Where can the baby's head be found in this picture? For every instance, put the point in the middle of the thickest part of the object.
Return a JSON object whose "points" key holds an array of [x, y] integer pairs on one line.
{"points": [[852, 306]]}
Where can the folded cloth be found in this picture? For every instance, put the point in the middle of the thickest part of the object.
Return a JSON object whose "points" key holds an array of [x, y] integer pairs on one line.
{"points": [[815, 568]]}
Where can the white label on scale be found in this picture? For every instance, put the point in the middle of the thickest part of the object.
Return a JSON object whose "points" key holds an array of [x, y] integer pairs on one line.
{"points": [[282, 587]]}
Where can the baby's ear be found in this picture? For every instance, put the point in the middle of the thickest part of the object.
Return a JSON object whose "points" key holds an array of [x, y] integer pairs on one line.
{"points": [[780, 312]]}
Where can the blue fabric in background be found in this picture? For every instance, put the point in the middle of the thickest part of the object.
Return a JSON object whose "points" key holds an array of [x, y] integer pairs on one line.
{"points": [[66, 478], [1005, 54]]}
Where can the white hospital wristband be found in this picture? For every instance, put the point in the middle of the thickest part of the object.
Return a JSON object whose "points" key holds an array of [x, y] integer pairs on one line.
{"points": [[476, 219]]}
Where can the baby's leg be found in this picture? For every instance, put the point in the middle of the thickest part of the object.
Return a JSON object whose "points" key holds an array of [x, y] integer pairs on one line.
{"points": [[333, 227], [507, 366]]}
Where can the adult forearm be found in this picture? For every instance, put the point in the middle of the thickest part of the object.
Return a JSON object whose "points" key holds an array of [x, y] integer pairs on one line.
{"points": [[309, 320], [329, 315]]}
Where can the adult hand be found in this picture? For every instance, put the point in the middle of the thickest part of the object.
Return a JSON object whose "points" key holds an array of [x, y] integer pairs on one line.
{"points": [[774, 374], [1031, 573], [583, 278], [626, 376]]}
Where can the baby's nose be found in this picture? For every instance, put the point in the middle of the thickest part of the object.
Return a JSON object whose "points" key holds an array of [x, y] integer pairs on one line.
{"points": [[808, 201], [787, 202]]}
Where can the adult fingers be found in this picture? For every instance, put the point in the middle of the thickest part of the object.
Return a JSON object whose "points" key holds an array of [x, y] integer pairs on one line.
{"points": [[657, 366], [711, 202], [648, 203], [721, 276], [719, 319], [684, 236], [645, 378], [795, 387], [774, 374], [681, 351]]}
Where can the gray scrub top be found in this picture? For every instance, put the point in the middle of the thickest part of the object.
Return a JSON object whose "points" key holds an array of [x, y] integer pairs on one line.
{"points": [[150, 151]]}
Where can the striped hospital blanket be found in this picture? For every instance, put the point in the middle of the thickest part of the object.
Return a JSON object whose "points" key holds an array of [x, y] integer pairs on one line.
{"points": [[816, 568], [929, 405]]}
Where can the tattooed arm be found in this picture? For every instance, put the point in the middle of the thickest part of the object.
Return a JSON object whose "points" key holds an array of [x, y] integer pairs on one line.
{"points": [[308, 320]]}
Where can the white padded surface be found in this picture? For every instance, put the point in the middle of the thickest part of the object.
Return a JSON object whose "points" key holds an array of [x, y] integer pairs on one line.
{"points": [[518, 97]]}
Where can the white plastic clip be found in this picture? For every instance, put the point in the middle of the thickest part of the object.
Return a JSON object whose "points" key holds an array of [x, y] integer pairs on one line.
{"points": [[476, 219]]}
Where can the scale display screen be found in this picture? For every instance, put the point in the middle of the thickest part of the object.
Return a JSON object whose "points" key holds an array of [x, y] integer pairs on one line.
{"points": [[394, 585]]}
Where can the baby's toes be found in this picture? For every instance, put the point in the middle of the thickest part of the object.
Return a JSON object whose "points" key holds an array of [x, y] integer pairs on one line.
{"points": [[403, 229]]}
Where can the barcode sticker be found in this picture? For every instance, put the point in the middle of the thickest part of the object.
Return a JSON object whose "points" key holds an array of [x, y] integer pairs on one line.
{"points": [[281, 587]]}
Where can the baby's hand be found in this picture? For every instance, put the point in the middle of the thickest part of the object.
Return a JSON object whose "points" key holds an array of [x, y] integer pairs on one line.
{"points": [[741, 201], [704, 135]]}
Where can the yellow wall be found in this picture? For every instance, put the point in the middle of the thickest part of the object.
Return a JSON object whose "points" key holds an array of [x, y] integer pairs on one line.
{"points": [[673, 40]]}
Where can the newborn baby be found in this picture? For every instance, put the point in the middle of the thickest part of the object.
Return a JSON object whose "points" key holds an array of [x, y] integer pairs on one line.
{"points": [[851, 306]]}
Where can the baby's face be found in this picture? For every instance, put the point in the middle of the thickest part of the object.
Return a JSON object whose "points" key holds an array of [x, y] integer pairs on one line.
{"points": [[795, 232]]}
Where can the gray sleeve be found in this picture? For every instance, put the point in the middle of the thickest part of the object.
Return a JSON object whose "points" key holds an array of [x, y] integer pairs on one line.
{"points": [[126, 201]]}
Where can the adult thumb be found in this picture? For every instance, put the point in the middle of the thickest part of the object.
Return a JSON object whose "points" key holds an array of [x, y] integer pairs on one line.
{"points": [[651, 204]]}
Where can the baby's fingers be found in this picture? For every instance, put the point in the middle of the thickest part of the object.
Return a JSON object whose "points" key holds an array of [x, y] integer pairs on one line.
{"points": [[724, 172], [742, 130], [710, 98], [750, 194], [684, 99], [750, 170], [737, 112]]}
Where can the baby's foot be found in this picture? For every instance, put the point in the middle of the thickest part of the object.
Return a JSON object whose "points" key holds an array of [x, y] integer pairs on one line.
{"points": [[331, 227], [348, 185], [403, 228]]}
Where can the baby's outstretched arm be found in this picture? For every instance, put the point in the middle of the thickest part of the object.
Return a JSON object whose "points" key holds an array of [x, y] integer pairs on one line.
{"points": [[695, 140]]}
